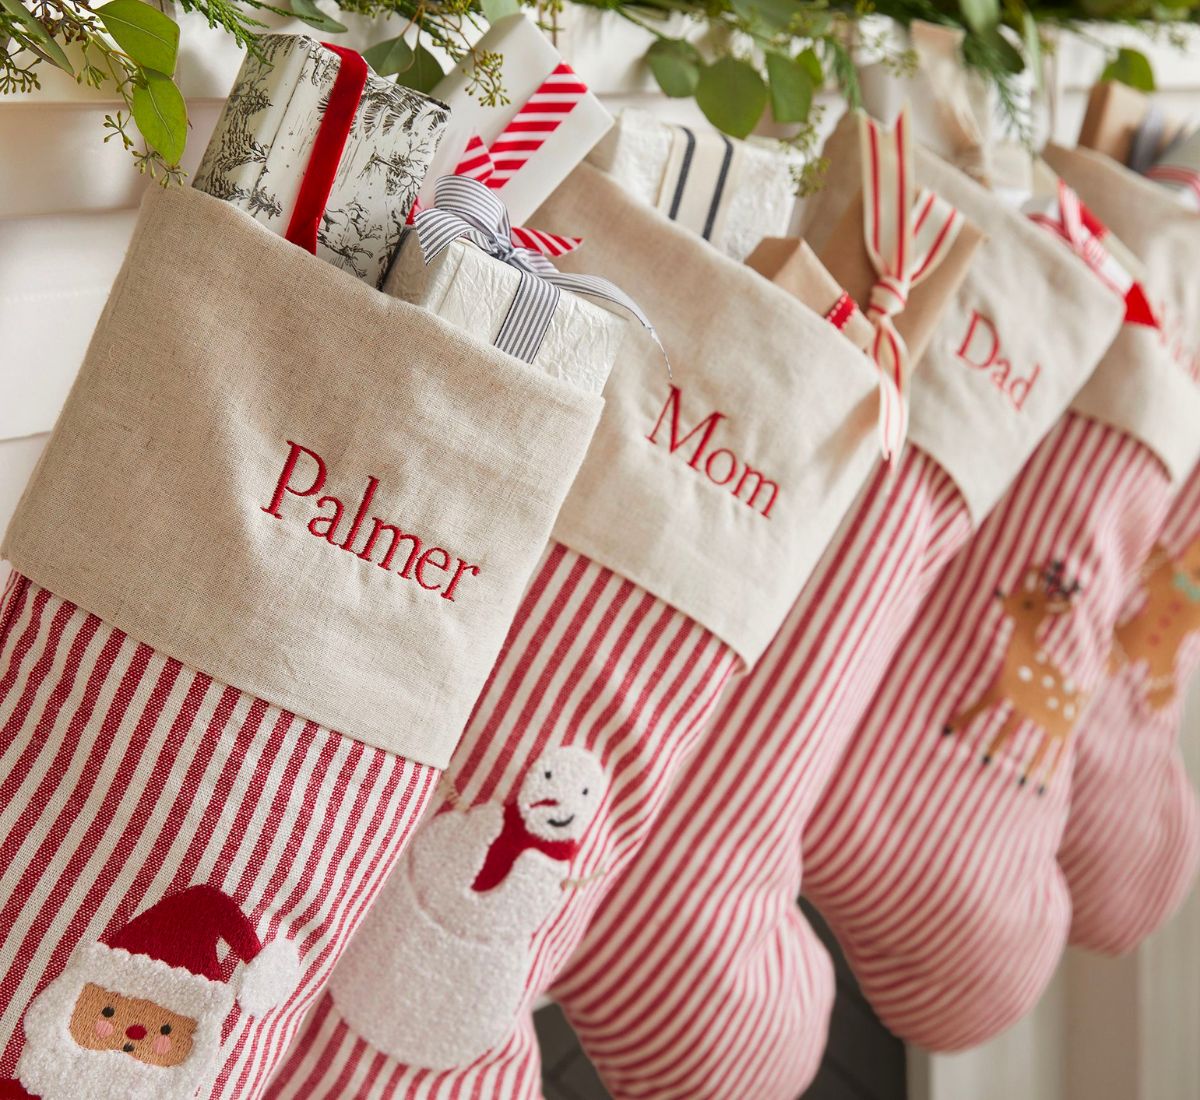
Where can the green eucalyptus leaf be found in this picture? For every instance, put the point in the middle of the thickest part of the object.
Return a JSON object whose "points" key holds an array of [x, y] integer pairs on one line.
{"points": [[791, 88], [774, 14], [308, 12], [1130, 67], [1007, 56], [42, 37], [980, 15], [423, 74], [732, 96], [495, 10], [160, 114], [150, 38], [676, 66], [390, 57], [812, 63]]}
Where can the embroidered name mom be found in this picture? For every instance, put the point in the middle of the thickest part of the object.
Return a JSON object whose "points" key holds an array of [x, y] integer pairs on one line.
{"points": [[368, 537], [719, 464]]}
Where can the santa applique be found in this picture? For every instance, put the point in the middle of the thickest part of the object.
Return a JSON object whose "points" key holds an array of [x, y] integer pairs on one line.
{"points": [[139, 1015], [446, 946]]}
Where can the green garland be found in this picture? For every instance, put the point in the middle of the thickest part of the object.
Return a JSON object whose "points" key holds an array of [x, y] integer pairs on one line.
{"points": [[798, 47]]}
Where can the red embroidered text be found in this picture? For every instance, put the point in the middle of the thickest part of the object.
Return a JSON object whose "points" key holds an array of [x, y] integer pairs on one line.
{"points": [[368, 537], [720, 465], [980, 350]]}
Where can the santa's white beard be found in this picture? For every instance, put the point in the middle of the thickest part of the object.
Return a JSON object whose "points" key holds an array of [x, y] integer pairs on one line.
{"points": [[55, 1067]]}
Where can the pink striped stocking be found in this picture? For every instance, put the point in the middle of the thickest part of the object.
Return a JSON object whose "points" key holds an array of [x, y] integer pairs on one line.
{"points": [[130, 778], [932, 852], [1133, 836]]}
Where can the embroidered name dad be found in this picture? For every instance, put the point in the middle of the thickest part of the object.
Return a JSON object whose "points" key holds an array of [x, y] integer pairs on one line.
{"points": [[434, 568], [980, 349], [719, 464]]}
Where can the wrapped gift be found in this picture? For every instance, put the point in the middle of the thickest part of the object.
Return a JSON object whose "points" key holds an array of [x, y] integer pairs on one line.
{"points": [[845, 256], [733, 193], [789, 263], [1178, 168], [1124, 124], [319, 149], [465, 262], [547, 126], [470, 289]]}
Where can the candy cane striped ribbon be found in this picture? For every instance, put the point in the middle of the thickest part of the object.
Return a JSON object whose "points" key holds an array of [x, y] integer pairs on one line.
{"points": [[1069, 219], [476, 161], [542, 114], [906, 239], [465, 208]]}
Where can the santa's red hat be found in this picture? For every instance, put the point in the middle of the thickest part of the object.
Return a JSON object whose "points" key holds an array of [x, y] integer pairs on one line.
{"points": [[168, 954]]}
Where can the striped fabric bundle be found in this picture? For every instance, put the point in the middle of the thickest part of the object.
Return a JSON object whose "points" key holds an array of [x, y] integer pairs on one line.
{"points": [[932, 853], [1132, 841], [189, 780]]}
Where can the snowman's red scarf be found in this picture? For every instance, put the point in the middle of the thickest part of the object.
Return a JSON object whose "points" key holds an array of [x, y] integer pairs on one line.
{"points": [[514, 839]]}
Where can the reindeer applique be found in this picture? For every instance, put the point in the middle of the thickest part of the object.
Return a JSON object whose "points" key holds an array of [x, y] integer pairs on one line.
{"points": [[1171, 612], [1034, 688]]}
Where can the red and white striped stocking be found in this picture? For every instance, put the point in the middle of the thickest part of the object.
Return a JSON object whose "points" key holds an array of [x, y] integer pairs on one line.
{"points": [[698, 976], [932, 853], [665, 577], [203, 607], [128, 778], [1132, 840]]}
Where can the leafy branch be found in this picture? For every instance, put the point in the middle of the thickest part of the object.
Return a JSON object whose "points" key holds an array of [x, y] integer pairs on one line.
{"points": [[754, 55]]}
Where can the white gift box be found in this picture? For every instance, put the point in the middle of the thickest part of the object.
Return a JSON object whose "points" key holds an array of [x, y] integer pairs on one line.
{"points": [[263, 142], [470, 289], [528, 59], [733, 193]]}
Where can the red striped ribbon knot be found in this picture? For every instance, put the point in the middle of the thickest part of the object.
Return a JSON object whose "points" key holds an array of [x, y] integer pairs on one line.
{"points": [[908, 231], [1068, 218]]}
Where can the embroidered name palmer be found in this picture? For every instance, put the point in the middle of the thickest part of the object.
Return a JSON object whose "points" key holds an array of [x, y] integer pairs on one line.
{"points": [[434, 568], [719, 464]]}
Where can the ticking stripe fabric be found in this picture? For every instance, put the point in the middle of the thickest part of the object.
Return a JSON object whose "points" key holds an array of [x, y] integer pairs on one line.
{"points": [[698, 977], [932, 852], [128, 776], [594, 663], [1132, 841]]}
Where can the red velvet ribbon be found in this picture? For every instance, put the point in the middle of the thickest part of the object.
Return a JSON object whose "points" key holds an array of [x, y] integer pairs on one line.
{"points": [[327, 150]]}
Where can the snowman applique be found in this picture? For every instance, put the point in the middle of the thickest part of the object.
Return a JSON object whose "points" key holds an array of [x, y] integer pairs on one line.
{"points": [[435, 975]]}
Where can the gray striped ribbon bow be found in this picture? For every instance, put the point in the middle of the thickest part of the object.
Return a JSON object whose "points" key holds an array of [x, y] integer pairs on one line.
{"points": [[465, 208]]}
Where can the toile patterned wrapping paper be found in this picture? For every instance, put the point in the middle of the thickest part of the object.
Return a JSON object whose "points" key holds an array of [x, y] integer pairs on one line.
{"points": [[264, 139]]}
